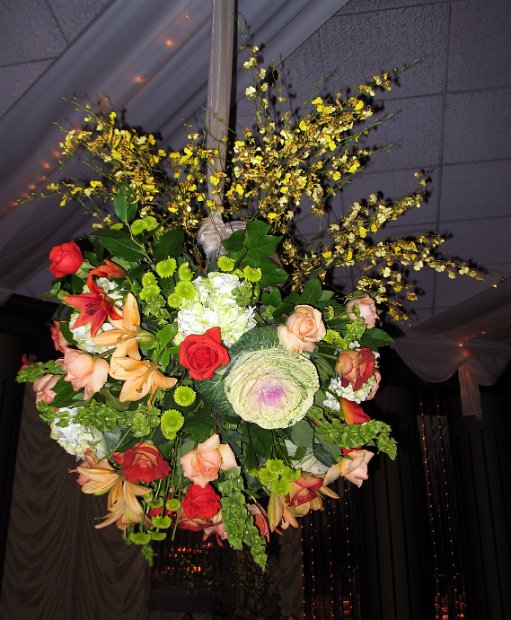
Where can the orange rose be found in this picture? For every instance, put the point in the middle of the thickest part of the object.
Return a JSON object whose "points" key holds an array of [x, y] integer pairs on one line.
{"points": [[201, 464], [355, 367], [303, 329]]}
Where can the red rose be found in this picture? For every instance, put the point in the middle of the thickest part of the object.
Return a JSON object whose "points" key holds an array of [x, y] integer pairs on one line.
{"points": [[203, 354], [355, 367], [200, 502], [142, 463], [65, 259]]}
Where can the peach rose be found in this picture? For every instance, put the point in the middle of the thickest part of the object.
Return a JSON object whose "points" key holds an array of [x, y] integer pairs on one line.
{"points": [[353, 467], [201, 464], [84, 371], [355, 367], [43, 388], [303, 329], [367, 309]]}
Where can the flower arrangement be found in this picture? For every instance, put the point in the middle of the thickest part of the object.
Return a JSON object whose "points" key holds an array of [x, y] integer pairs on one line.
{"points": [[209, 377]]}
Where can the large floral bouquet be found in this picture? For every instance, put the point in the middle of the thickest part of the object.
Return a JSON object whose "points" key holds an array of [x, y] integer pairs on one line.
{"points": [[209, 379]]}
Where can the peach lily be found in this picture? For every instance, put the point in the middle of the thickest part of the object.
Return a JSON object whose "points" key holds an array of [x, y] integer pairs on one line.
{"points": [[140, 377], [126, 333], [99, 477]]}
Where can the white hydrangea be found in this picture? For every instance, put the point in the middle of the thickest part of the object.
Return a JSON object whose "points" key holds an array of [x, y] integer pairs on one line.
{"points": [[83, 338], [215, 306], [111, 288], [75, 438], [348, 392]]}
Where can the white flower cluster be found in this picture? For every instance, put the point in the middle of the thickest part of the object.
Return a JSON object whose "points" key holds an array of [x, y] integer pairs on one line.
{"points": [[83, 338], [348, 392], [75, 438], [215, 306]]}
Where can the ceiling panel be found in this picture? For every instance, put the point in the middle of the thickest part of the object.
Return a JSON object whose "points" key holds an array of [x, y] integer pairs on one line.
{"points": [[382, 40], [474, 191], [477, 31], [474, 127]]}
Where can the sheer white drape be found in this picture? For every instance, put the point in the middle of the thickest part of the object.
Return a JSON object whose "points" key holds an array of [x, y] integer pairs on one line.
{"points": [[473, 338]]}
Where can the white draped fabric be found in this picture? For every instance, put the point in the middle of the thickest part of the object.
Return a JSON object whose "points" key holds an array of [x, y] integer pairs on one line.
{"points": [[472, 339]]}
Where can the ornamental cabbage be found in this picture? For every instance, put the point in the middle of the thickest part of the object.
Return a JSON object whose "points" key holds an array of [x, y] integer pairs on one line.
{"points": [[272, 388]]}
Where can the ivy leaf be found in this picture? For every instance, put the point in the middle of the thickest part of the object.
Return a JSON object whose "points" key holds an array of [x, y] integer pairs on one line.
{"points": [[235, 243]]}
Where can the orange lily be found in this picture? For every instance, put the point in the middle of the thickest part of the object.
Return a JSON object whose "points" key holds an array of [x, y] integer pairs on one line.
{"points": [[140, 377], [123, 506], [126, 333], [98, 477]]}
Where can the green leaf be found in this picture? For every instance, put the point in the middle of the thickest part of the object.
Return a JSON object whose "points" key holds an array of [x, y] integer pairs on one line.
{"points": [[200, 425], [170, 244], [375, 338], [261, 440], [234, 244], [262, 247], [66, 332], [124, 248], [166, 334], [124, 206], [65, 393], [250, 459], [323, 455], [257, 228], [302, 434], [272, 273], [311, 292], [272, 297]]}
